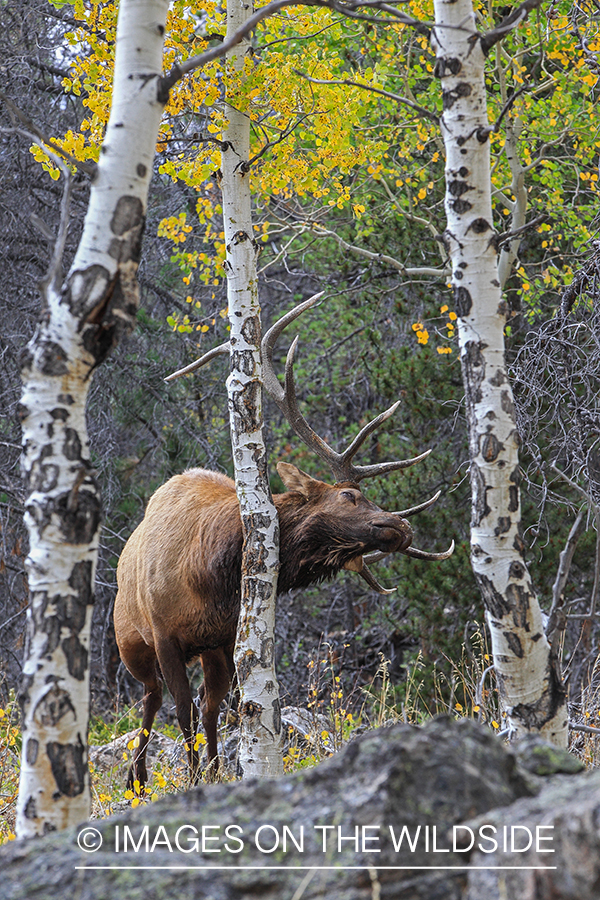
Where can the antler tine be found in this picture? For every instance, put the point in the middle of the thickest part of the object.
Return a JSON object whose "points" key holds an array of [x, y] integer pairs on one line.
{"points": [[340, 463], [378, 555], [270, 380], [368, 576], [368, 429], [360, 472], [422, 554], [216, 351], [411, 511], [357, 473], [290, 407], [286, 398]]}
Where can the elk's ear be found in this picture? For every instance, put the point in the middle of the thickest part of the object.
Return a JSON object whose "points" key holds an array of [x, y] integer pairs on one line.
{"points": [[295, 479]]}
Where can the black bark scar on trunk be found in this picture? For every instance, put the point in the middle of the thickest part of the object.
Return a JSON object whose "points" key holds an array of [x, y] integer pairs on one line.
{"points": [[69, 765]]}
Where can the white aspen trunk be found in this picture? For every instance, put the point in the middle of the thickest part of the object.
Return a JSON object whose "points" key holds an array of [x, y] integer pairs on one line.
{"points": [[528, 677], [83, 319], [518, 206], [260, 752]]}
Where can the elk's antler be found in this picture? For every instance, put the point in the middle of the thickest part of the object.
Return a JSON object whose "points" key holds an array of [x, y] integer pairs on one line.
{"points": [[414, 552], [216, 351], [341, 464]]}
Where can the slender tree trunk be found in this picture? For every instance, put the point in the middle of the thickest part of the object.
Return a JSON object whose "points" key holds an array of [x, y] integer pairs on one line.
{"points": [[528, 676], [260, 750], [83, 318]]}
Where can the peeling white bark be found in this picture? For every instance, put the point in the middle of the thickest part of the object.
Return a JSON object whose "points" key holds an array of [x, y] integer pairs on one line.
{"points": [[529, 682], [82, 321], [260, 751]]}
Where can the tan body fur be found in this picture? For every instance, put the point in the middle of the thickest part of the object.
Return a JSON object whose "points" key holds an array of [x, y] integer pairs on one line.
{"points": [[180, 572]]}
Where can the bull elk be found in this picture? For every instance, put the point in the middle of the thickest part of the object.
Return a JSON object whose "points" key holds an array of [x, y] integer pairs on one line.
{"points": [[179, 575]]}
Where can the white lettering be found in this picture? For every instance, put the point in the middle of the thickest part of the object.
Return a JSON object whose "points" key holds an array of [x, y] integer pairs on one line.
{"points": [[513, 831], [370, 837], [144, 839], [194, 843], [206, 837], [540, 837], [234, 838], [266, 849], [405, 833], [161, 837], [324, 829], [455, 847], [491, 840], [288, 833], [342, 837]]}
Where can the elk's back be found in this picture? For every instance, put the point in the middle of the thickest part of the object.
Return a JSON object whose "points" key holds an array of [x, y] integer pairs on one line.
{"points": [[179, 572]]}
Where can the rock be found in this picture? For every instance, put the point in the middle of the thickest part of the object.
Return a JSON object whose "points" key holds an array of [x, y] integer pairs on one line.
{"points": [[116, 756], [326, 831], [404, 813], [566, 809], [541, 758]]}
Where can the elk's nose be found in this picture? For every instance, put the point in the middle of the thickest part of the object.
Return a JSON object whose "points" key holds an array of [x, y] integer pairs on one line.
{"points": [[393, 534]]}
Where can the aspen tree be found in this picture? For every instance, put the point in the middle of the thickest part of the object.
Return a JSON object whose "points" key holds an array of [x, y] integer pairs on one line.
{"points": [[260, 750], [526, 665], [82, 318]]}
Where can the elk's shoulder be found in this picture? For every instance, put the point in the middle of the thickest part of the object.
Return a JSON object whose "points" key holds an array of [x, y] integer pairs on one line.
{"points": [[192, 490]]}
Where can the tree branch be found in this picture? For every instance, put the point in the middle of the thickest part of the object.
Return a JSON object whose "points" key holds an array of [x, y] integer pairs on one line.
{"points": [[87, 167], [53, 276], [345, 8], [379, 257], [557, 619], [508, 24], [367, 87], [587, 729]]}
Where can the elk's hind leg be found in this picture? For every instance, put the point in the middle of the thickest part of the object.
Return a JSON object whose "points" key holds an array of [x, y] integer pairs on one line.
{"points": [[143, 666]]}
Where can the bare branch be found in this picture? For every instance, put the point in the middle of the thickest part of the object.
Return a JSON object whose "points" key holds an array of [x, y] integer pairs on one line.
{"points": [[587, 729], [53, 276], [281, 137], [565, 560], [509, 235], [380, 257], [509, 103], [557, 619]]}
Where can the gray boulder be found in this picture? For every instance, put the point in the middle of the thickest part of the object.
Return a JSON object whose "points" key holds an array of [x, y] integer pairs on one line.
{"points": [[379, 819]]}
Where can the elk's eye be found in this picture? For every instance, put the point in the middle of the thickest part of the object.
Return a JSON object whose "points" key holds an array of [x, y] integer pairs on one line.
{"points": [[348, 495]]}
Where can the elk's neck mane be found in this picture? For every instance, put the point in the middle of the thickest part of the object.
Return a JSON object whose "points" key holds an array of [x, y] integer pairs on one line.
{"points": [[303, 537], [310, 549]]}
